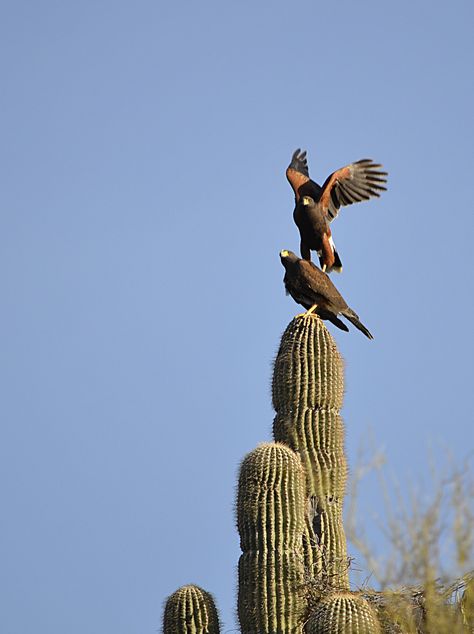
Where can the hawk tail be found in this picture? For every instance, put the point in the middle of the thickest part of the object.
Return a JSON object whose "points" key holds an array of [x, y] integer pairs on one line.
{"points": [[337, 322], [354, 319]]}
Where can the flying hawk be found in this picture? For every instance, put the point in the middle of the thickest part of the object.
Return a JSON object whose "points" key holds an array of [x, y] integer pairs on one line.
{"points": [[313, 289], [316, 207]]}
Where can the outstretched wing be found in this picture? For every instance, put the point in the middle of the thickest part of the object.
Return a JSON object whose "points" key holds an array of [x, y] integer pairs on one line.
{"points": [[299, 162], [297, 174], [297, 171], [352, 184]]}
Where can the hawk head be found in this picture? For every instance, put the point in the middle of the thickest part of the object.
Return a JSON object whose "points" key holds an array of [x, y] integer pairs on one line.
{"points": [[288, 257]]}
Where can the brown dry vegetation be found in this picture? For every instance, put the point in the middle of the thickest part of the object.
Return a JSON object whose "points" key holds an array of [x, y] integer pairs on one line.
{"points": [[424, 582]]}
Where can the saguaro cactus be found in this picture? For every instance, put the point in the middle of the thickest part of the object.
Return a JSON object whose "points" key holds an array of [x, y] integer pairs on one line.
{"points": [[271, 507], [308, 370], [289, 515], [343, 613], [290, 497], [190, 610], [308, 388]]}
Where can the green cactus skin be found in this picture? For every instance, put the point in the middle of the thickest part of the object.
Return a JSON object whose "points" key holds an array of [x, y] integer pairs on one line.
{"points": [[308, 388], [271, 510], [308, 370], [317, 435], [190, 610], [312, 550], [271, 499], [271, 597], [332, 539], [343, 613]]}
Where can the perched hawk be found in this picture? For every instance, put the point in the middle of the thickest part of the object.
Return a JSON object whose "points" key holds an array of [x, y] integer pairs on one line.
{"points": [[313, 289], [316, 207]]}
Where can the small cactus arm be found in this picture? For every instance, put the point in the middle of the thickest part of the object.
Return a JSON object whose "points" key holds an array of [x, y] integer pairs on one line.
{"points": [[271, 508], [307, 390], [343, 613], [190, 610]]}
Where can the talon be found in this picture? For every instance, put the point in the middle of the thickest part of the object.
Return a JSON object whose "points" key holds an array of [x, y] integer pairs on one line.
{"points": [[311, 310], [308, 313]]}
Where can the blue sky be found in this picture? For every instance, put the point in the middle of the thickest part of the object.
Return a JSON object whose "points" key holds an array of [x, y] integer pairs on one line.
{"points": [[143, 207]]}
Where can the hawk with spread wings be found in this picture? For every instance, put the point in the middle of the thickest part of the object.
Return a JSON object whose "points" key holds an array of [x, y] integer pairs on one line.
{"points": [[313, 289], [316, 206]]}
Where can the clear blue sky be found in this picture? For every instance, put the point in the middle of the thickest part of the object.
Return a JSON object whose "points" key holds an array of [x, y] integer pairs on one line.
{"points": [[143, 205]]}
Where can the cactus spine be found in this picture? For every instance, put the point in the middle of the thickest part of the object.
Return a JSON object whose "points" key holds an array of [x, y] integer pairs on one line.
{"points": [[271, 507], [190, 610], [343, 613], [308, 388]]}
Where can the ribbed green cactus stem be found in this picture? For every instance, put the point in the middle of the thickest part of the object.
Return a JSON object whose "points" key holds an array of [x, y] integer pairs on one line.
{"points": [[308, 370], [271, 499], [329, 528], [312, 550], [271, 508], [308, 388], [317, 435], [343, 613], [271, 598], [190, 610]]}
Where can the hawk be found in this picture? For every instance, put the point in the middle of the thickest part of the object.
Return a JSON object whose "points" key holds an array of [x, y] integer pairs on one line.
{"points": [[316, 207], [313, 289]]}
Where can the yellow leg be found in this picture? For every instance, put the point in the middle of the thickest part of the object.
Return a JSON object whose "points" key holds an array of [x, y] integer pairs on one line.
{"points": [[308, 313]]}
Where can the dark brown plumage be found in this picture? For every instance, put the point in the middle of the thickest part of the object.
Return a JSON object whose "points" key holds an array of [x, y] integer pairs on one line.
{"points": [[316, 207], [313, 289]]}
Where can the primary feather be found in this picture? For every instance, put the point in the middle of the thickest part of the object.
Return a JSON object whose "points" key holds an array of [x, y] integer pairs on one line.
{"points": [[353, 183]]}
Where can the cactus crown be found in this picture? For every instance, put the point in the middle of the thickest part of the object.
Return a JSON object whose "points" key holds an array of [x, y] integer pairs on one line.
{"points": [[343, 613], [190, 610], [271, 499], [308, 370]]}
